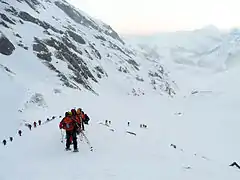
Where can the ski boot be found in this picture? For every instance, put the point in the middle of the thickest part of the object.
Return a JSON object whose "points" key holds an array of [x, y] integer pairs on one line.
{"points": [[68, 149]]}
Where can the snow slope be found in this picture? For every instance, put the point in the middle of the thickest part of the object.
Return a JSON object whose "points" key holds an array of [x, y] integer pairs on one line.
{"points": [[201, 120], [203, 150], [48, 45], [79, 52]]}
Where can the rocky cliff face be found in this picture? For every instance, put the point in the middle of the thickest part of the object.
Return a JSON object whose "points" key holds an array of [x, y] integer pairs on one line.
{"points": [[81, 51]]}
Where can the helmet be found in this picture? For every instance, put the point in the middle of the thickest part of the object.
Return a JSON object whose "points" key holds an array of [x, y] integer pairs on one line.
{"points": [[66, 114]]}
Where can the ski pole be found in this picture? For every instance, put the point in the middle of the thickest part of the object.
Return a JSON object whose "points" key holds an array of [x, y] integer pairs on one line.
{"points": [[62, 136], [87, 141]]}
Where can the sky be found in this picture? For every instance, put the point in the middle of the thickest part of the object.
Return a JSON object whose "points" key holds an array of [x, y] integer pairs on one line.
{"points": [[152, 16]]}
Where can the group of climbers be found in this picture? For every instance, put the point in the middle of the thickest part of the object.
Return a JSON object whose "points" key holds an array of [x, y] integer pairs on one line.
{"points": [[34, 124], [73, 124], [20, 131]]}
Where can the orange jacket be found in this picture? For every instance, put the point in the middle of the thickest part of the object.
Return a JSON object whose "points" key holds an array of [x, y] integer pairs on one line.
{"points": [[67, 123], [78, 119]]}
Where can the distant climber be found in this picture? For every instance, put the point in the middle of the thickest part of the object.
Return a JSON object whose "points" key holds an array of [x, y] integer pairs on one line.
{"points": [[19, 132], [39, 122], [70, 126], [144, 126], [173, 145], [128, 123], [11, 139], [35, 124], [30, 127], [4, 142]]}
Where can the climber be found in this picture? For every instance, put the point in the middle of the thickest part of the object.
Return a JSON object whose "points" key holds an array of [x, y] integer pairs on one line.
{"points": [[4, 142], [11, 139], [39, 122], [70, 126], [29, 126], [20, 133], [34, 124], [77, 119]]}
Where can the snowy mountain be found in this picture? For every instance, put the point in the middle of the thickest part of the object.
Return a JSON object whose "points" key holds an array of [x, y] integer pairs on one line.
{"points": [[54, 57], [79, 50], [208, 47], [47, 45]]}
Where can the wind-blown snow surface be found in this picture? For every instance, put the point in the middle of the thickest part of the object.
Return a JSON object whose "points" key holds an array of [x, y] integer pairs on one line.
{"points": [[205, 134]]}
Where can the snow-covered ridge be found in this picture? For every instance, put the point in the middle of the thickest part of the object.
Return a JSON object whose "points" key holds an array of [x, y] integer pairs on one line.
{"points": [[208, 47], [82, 52]]}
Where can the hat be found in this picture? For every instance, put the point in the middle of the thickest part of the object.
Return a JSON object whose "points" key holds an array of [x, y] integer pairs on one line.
{"points": [[73, 111], [79, 110]]}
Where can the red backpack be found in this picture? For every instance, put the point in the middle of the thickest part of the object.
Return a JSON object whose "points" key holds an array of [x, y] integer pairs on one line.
{"points": [[68, 124]]}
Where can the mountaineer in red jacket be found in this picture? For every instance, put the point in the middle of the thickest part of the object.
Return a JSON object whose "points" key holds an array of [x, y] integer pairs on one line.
{"points": [[70, 126]]}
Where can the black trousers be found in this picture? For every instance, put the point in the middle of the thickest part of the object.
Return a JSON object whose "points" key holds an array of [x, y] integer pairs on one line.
{"points": [[72, 134]]}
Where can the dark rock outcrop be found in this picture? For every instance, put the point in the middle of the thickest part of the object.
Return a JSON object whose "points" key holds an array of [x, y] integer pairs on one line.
{"points": [[7, 69], [6, 47], [1, 1], [76, 37], [114, 46], [4, 24], [12, 10], [34, 4], [80, 19], [100, 37], [95, 52], [5, 18], [75, 63], [27, 17], [69, 44], [133, 63], [62, 77], [42, 50]]}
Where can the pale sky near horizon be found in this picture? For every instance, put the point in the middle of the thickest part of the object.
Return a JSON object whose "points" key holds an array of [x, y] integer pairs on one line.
{"points": [[152, 16]]}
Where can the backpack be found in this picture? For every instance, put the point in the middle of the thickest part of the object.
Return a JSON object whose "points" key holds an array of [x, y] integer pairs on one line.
{"points": [[86, 119], [68, 124]]}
